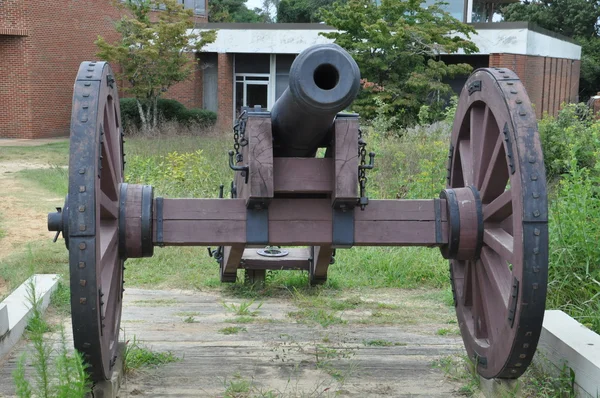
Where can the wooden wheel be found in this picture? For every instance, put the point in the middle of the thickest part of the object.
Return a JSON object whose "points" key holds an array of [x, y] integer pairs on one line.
{"points": [[497, 213], [95, 175]]}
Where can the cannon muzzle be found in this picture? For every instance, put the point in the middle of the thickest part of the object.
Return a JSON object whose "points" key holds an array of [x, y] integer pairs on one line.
{"points": [[324, 80]]}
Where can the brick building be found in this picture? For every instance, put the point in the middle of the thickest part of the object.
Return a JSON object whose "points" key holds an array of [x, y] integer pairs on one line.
{"points": [[248, 64], [42, 43]]}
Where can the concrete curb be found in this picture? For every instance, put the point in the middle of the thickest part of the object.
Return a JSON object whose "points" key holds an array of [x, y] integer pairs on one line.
{"points": [[564, 344], [15, 309]]}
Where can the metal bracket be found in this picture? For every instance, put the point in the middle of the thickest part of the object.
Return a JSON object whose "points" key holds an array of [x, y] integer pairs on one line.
{"points": [[159, 221], [509, 149], [474, 86], [512, 302], [122, 220], [257, 226], [437, 208], [343, 227]]}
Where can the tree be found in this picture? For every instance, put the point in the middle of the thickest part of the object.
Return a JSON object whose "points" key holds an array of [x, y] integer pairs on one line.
{"points": [[232, 11], [577, 19], [153, 55], [397, 46], [301, 11]]}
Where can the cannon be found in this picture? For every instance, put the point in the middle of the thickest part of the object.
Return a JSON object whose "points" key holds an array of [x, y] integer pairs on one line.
{"points": [[290, 209]]}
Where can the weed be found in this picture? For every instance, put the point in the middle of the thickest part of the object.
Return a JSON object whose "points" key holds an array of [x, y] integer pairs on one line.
{"points": [[447, 331], [317, 315], [382, 343], [64, 376], [462, 370], [238, 387], [243, 309], [156, 303], [189, 319], [187, 313], [61, 298], [138, 356], [232, 330]]}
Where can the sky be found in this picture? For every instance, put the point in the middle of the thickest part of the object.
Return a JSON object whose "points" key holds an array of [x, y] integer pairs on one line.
{"points": [[251, 4]]}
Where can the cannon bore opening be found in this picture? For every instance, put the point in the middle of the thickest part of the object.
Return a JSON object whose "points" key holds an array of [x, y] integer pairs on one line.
{"points": [[326, 76]]}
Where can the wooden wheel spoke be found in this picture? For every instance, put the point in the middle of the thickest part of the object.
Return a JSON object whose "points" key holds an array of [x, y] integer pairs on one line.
{"points": [[480, 321], [109, 234], [485, 145], [466, 161], [109, 185], [467, 292], [499, 209], [496, 175], [111, 284], [109, 208], [499, 241], [494, 281], [477, 116], [113, 132]]}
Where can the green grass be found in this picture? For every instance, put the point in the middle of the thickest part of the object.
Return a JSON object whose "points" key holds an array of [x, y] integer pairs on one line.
{"points": [[232, 330], [54, 179], [36, 257], [383, 343], [53, 153], [138, 356]]}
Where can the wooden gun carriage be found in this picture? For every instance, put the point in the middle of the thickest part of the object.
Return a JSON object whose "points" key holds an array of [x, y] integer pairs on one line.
{"points": [[490, 221]]}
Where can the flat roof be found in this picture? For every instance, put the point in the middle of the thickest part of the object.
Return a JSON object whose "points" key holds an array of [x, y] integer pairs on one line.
{"points": [[321, 26]]}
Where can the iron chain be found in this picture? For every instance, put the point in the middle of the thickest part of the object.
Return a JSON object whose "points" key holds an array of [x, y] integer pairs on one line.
{"points": [[362, 173], [239, 138]]}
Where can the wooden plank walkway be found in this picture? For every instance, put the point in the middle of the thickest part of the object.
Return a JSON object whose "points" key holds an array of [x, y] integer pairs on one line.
{"points": [[276, 356]]}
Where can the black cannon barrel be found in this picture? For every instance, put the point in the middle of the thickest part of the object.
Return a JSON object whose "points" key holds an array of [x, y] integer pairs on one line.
{"points": [[324, 80]]}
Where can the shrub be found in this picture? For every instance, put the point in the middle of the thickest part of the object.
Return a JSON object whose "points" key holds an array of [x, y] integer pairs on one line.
{"points": [[203, 117], [168, 110], [573, 134], [130, 116]]}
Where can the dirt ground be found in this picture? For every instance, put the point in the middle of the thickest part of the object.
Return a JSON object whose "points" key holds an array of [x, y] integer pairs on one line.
{"points": [[271, 355]]}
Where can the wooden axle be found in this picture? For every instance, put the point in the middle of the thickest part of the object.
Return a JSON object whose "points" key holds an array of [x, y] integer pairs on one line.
{"points": [[300, 222]]}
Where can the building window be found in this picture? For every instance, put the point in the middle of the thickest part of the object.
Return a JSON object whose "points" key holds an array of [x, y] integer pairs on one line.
{"points": [[251, 89], [260, 79], [198, 6]]}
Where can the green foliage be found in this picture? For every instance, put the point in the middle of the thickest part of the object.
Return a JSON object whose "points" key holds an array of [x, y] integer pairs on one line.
{"points": [[153, 55], [232, 330], [571, 144], [138, 356], [176, 174], [168, 110], [574, 135], [397, 46], [577, 19], [299, 11], [572, 18], [203, 117], [62, 377], [243, 309], [232, 11]]}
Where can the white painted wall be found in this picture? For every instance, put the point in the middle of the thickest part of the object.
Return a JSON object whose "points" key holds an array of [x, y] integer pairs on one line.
{"points": [[275, 41], [267, 41]]}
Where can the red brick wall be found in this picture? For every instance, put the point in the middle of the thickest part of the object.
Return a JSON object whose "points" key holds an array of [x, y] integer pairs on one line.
{"points": [[15, 98], [189, 92], [37, 72], [549, 82], [225, 90], [12, 17]]}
